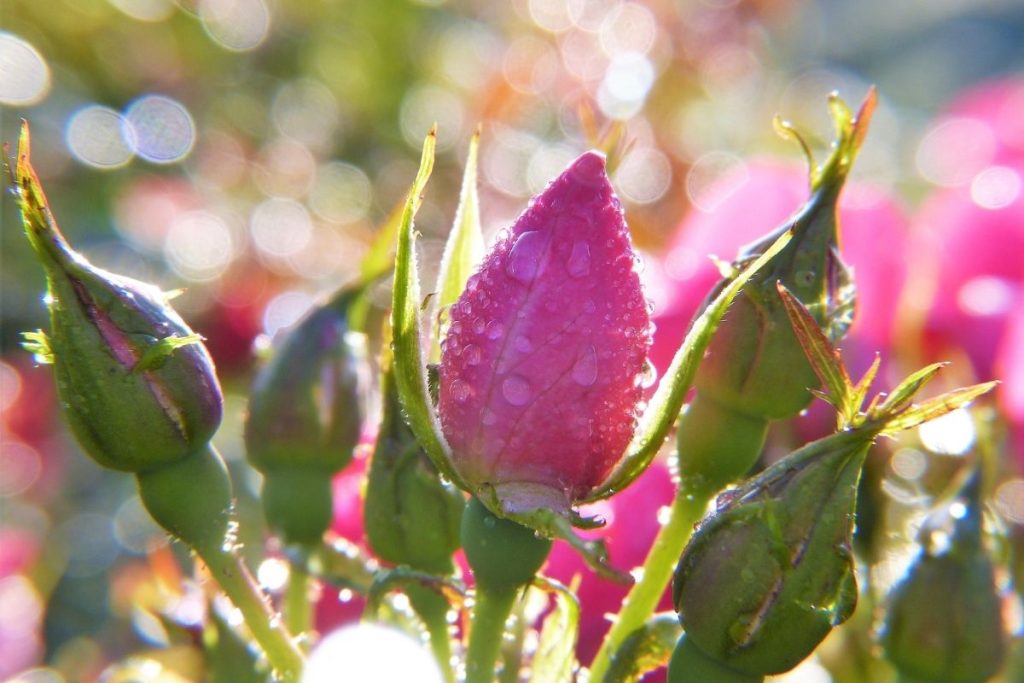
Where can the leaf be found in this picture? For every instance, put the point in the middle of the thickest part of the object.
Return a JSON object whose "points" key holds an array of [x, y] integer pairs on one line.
{"points": [[822, 356], [410, 371], [645, 649], [664, 407], [936, 407], [905, 391], [556, 651], [464, 248], [379, 259], [860, 390]]}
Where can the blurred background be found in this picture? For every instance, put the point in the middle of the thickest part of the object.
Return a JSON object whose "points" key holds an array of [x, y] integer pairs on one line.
{"points": [[247, 150]]}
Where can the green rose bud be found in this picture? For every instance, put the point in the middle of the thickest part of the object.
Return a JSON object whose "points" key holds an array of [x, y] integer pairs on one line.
{"points": [[944, 621], [766, 578], [411, 516], [305, 414], [137, 387]]}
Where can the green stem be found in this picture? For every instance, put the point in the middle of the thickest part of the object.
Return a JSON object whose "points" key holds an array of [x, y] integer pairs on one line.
{"points": [[234, 578], [433, 608], [487, 628], [687, 508], [298, 602]]}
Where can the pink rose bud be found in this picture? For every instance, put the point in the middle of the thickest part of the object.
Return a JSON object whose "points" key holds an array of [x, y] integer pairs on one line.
{"points": [[541, 368]]}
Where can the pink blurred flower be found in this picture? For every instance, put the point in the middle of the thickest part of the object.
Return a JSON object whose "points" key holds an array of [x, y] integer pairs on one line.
{"points": [[749, 203], [632, 517], [997, 105], [540, 367]]}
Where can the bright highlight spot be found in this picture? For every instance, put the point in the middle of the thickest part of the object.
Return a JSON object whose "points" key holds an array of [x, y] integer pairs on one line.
{"points": [[369, 652], [996, 187], [1010, 500], [284, 310], [145, 10], [955, 150], [99, 137], [199, 246], [985, 295], [272, 574], [164, 131], [24, 75], [281, 227], [627, 81], [951, 434], [909, 463], [236, 25]]}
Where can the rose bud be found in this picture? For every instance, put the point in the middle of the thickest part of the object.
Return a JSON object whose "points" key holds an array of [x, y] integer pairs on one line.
{"points": [[411, 516], [540, 371], [305, 414], [137, 387], [754, 370], [960, 638]]}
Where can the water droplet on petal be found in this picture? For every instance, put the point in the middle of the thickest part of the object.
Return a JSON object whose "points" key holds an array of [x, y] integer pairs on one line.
{"points": [[461, 390], [523, 344], [516, 390], [495, 329], [472, 354], [584, 371], [579, 260], [489, 418], [478, 325], [525, 259]]}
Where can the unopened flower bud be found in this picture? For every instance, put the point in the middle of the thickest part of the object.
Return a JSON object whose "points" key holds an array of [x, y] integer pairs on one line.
{"points": [[411, 516], [944, 620], [138, 388], [766, 577], [541, 368], [305, 414]]}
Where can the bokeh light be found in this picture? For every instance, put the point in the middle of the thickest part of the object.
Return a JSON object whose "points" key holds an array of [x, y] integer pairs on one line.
{"points": [[100, 137], [163, 128], [24, 74], [236, 25], [369, 652]]}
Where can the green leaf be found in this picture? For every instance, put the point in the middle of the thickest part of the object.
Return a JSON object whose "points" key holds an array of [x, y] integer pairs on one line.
{"points": [[822, 356], [379, 259], [646, 649], [410, 370], [38, 344], [157, 352], [936, 407], [556, 651], [904, 392], [464, 249], [664, 407]]}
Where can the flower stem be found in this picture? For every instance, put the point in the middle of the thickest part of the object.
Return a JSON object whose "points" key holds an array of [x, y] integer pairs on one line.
{"points": [[640, 603], [690, 665], [234, 578], [298, 603], [490, 612], [432, 608]]}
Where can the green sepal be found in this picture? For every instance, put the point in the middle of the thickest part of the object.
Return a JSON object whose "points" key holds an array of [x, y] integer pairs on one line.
{"points": [[664, 407], [38, 344], [156, 353], [503, 554], [410, 369], [401, 578], [645, 649], [689, 664], [555, 657], [463, 250], [411, 517]]}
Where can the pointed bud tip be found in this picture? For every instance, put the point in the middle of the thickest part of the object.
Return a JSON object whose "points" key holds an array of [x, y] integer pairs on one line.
{"points": [[589, 168]]}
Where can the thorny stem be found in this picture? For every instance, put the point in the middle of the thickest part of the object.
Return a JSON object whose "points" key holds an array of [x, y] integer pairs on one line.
{"points": [[298, 599], [490, 612], [432, 608], [687, 509], [228, 569]]}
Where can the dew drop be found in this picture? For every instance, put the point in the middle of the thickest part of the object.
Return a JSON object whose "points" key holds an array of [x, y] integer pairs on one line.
{"points": [[489, 418], [516, 390], [495, 329], [584, 371], [460, 390], [579, 260], [472, 354], [525, 259], [478, 325]]}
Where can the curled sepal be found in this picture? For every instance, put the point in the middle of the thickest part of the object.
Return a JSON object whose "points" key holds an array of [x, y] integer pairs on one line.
{"points": [[656, 422], [646, 649], [766, 577], [137, 387], [402, 578], [555, 657], [464, 248], [410, 370], [962, 637], [889, 416]]}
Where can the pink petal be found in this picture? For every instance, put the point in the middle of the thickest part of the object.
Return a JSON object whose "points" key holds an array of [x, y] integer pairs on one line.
{"points": [[539, 369]]}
